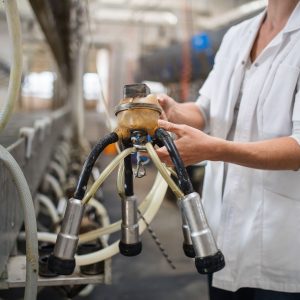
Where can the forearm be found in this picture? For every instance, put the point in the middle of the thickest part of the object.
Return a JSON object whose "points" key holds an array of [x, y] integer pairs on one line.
{"points": [[187, 113], [276, 154]]}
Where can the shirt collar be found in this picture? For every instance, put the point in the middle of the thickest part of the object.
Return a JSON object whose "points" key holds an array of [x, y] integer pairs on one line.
{"points": [[292, 24], [294, 20]]}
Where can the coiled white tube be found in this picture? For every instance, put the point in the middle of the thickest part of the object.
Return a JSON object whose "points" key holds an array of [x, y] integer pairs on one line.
{"points": [[106, 173], [29, 220], [46, 201], [114, 227], [164, 171], [102, 212], [14, 30], [155, 201]]}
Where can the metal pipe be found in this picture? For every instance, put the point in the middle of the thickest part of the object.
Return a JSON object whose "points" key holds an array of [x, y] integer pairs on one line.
{"points": [[130, 244], [62, 260], [209, 258]]}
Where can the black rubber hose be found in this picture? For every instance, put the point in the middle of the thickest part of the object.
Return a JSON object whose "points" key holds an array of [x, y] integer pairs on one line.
{"points": [[184, 181], [89, 163], [128, 175]]}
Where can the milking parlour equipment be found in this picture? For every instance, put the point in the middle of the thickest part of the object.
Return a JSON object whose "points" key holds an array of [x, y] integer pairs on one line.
{"points": [[137, 132]]}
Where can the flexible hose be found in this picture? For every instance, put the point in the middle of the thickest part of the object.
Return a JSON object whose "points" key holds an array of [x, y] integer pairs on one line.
{"points": [[106, 173], [102, 212], [89, 163], [158, 194], [46, 201], [29, 220], [14, 30], [114, 227], [128, 176], [60, 172], [120, 180], [61, 160], [184, 181], [54, 183], [163, 171]]}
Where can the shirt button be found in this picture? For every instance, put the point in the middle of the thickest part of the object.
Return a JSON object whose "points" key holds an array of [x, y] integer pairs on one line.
{"points": [[256, 65], [243, 62]]}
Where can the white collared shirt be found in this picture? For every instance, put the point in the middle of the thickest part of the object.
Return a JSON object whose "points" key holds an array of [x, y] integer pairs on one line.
{"points": [[256, 219]]}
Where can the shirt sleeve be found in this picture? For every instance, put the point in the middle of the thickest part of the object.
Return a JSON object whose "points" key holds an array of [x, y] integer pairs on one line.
{"points": [[206, 91], [296, 116], [203, 103]]}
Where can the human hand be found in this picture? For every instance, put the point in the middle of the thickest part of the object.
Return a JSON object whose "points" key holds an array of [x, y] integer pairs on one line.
{"points": [[168, 105], [193, 145]]}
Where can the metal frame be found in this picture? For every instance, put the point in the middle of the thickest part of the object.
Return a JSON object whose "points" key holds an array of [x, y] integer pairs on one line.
{"points": [[42, 145]]}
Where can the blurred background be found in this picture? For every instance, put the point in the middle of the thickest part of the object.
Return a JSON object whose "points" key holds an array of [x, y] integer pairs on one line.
{"points": [[77, 56]]}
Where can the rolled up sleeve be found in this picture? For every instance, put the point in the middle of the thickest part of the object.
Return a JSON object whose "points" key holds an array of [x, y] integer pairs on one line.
{"points": [[203, 103], [296, 117]]}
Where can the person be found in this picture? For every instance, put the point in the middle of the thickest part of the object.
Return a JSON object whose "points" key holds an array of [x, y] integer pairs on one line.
{"points": [[246, 124]]}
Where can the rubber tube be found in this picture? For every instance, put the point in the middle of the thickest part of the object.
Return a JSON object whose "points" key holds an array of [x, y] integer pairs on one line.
{"points": [[46, 201], [120, 180], [14, 30], [114, 227], [54, 183], [89, 163], [102, 212], [155, 202], [184, 181], [164, 171], [128, 176], [60, 172], [29, 221], [106, 173]]}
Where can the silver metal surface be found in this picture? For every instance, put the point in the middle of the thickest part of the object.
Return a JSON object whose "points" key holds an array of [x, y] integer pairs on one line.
{"points": [[127, 106], [201, 235], [67, 239], [129, 227], [43, 143], [186, 231]]}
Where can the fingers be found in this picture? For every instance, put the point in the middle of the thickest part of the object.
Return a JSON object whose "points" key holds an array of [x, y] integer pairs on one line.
{"points": [[177, 129], [164, 100]]}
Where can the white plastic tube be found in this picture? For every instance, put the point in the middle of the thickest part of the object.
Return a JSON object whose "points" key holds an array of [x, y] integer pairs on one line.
{"points": [[114, 227], [53, 182], [106, 173], [58, 169], [155, 200], [164, 171], [102, 212], [29, 220], [14, 30], [46, 201]]}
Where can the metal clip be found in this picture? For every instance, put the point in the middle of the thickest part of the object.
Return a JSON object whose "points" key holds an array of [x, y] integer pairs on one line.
{"points": [[140, 170], [141, 162], [28, 133]]}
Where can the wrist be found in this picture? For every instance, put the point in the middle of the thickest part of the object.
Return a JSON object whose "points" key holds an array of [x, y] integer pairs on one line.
{"points": [[219, 149]]}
